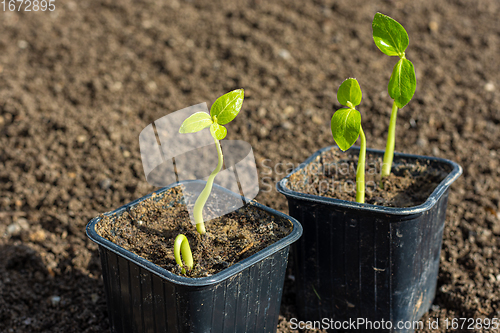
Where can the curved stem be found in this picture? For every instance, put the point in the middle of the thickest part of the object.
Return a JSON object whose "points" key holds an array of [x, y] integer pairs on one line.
{"points": [[203, 197], [389, 148], [181, 246], [360, 171]]}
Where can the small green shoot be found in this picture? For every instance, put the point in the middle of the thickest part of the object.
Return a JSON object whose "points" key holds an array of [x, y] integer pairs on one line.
{"points": [[391, 38], [224, 110], [181, 246], [317, 295], [346, 128]]}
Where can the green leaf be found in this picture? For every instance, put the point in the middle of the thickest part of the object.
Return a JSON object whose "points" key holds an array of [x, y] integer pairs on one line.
{"points": [[196, 122], [349, 91], [227, 107], [403, 82], [389, 36], [346, 124], [218, 131]]}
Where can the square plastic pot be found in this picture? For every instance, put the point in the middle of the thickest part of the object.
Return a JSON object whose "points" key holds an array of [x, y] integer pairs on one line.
{"points": [[143, 297], [366, 261]]}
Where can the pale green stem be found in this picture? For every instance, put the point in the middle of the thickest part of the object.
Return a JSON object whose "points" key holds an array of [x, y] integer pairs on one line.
{"points": [[389, 148], [181, 246], [203, 197], [360, 171]]}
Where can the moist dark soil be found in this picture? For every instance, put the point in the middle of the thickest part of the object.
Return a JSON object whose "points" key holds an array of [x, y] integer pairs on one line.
{"points": [[79, 84], [150, 228], [333, 174]]}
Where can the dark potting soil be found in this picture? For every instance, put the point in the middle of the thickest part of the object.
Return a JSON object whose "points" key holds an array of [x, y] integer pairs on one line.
{"points": [[333, 174], [149, 230], [78, 85]]}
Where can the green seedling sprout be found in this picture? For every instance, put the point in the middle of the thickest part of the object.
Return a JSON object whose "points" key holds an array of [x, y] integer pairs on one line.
{"points": [[224, 110], [391, 38], [346, 128], [181, 246]]}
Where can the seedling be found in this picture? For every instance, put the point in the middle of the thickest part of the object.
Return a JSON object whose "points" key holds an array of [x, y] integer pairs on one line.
{"points": [[181, 246], [224, 110], [391, 38], [346, 128]]}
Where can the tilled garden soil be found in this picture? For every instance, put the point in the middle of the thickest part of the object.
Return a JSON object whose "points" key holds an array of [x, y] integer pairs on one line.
{"points": [[77, 86]]}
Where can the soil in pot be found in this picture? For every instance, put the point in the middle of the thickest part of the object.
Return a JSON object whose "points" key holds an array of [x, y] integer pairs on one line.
{"points": [[149, 230], [333, 174]]}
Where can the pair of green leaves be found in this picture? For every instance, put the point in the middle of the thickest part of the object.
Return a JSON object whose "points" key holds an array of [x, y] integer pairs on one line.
{"points": [[391, 38], [346, 123], [224, 110]]}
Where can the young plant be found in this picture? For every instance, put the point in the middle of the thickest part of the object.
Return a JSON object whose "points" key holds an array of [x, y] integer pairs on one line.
{"points": [[391, 38], [224, 110], [346, 128], [181, 246]]}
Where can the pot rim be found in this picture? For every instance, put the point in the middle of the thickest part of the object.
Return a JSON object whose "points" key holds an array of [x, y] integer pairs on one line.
{"points": [[195, 282], [456, 171]]}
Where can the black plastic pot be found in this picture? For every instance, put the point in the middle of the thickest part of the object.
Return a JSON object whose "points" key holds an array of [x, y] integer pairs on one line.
{"points": [[143, 297], [365, 261]]}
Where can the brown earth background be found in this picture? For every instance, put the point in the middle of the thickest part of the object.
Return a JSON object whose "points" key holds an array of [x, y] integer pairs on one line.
{"points": [[77, 85]]}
